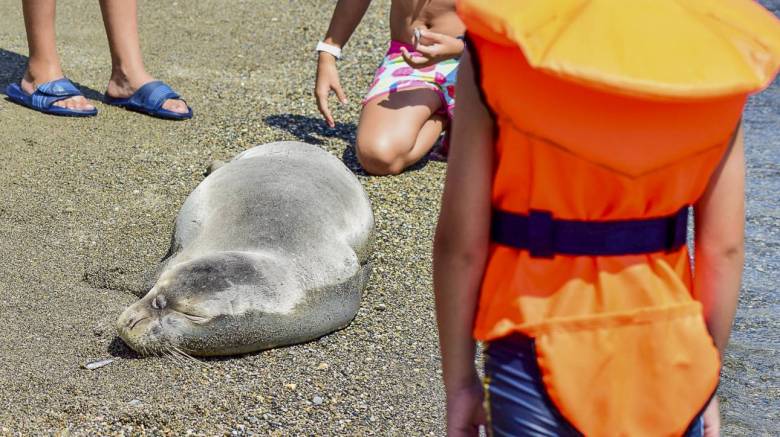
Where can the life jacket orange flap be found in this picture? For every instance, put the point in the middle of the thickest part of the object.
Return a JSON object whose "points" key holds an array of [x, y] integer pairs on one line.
{"points": [[612, 378]]}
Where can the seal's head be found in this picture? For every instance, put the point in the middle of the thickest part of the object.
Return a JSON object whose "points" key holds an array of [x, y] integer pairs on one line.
{"points": [[200, 306]]}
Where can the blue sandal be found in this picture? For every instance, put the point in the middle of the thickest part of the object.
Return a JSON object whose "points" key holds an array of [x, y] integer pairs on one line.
{"points": [[149, 100], [46, 95]]}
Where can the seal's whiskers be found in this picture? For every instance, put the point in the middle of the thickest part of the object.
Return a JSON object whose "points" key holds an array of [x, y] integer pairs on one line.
{"points": [[186, 356], [168, 353]]}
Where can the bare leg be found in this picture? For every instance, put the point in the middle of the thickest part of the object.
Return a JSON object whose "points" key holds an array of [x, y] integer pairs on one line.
{"points": [[396, 131], [120, 18], [44, 63]]}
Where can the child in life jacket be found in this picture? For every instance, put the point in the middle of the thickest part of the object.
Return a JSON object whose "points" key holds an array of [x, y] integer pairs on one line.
{"points": [[561, 243], [412, 97]]}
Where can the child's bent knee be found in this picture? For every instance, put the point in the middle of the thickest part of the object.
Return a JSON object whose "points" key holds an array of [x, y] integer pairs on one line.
{"points": [[380, 159], [381, 167]]}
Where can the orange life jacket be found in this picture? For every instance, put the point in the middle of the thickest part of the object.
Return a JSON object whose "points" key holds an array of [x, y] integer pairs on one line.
{"points": [[622, 345]]}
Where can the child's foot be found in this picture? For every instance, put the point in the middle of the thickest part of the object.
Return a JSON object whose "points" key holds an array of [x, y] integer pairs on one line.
{"points": [[121, 86], [31, 81]]}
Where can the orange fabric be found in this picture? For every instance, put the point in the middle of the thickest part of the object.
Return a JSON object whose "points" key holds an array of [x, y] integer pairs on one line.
{"points": [[622, 346], [588, 155], [646, 373], [660, 48], [611, 344]]}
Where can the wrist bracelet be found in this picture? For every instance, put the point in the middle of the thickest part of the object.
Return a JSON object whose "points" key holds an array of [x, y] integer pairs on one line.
{"points": [[327, 48]]}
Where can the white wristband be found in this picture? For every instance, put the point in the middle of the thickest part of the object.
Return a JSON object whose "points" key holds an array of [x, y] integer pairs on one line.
{"points": [[327, 48]]}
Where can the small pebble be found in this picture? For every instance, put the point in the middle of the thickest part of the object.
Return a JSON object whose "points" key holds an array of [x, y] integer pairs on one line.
{"points": [[135, 402], [318, 400], [92, 365]]}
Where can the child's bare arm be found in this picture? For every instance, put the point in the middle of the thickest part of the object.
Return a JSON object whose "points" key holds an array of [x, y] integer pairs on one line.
{"points": [[460, 249], [346, 18], [720, 222]]}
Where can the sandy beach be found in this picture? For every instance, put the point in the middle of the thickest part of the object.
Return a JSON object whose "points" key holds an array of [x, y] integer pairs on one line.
{"points": [[87, 205]]}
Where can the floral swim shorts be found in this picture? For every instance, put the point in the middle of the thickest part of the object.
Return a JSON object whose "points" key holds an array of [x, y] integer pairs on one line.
{"points": [[395, 74]]}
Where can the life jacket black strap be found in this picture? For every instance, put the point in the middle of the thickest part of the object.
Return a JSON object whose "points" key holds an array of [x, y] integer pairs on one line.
{"points": [[544, 236]]}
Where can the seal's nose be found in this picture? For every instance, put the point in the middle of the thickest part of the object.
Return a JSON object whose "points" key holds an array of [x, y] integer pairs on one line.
{"points": [[159, 302]]}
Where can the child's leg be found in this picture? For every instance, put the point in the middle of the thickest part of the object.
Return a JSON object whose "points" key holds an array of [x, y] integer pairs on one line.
{"points": [[44, 63], [398, 129], [127, 67]]}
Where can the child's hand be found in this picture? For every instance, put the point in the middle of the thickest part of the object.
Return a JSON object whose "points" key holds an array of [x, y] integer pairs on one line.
{"points": [[465, 413], [433, 48], [712, 419], [327, 79]]}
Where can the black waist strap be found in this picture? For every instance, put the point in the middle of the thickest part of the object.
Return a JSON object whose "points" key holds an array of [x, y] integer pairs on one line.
{"points": [[544, 236]]}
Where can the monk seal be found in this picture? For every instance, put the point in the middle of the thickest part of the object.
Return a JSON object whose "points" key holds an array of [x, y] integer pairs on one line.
{"points": [[270, 249]]}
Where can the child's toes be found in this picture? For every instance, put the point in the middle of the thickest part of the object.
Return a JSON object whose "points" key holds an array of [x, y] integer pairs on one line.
{"points": [[175, 105], [77, 103]]}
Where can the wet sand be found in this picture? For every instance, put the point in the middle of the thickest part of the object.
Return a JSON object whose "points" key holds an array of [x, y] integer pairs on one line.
{"points": [[86, 205]]}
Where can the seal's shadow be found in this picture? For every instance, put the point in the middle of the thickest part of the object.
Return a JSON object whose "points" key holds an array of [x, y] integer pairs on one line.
{"points": [[118, 349], [12, 66], [312, 130]]}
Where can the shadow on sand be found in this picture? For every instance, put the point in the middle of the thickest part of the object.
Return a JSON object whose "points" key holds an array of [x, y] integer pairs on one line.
{"points": [[313, 130], [310, 129], [12, 66], [118, 349]]}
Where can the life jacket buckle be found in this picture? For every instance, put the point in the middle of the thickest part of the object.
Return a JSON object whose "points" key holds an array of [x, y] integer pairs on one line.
{"points": [[541, 234]]}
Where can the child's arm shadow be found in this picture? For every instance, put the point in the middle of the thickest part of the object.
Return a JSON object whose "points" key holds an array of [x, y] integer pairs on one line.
{"points": [[312, 130]]}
